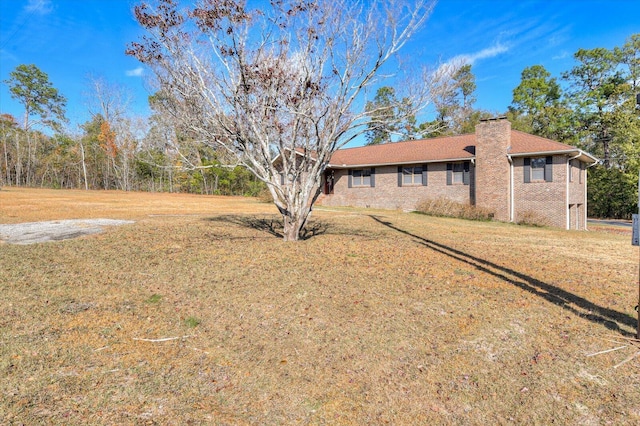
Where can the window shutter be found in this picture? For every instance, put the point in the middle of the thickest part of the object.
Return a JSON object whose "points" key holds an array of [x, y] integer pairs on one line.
{"points": [[527, 170], [449, 173], [373, 177], [465, 175], [282, 178], [424, 175], [548, 169], [350, 180], [399, 175]]}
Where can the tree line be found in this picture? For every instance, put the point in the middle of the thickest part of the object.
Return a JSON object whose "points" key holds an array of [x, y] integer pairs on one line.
{"points": [[595, 106], [112, 150]]}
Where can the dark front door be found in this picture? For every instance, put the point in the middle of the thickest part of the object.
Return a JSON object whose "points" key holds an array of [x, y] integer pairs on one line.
{"points": [[328, 182]]}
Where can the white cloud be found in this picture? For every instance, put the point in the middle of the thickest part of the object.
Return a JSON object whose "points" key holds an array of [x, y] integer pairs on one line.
{"points": [[447, 69], [41, 7], [489, 52], [136, 72]]}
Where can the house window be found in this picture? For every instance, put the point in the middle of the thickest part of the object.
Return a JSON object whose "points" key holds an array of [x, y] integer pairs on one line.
{"points": [[538, 169], [412, 175], [362, 177], [458, 173]]}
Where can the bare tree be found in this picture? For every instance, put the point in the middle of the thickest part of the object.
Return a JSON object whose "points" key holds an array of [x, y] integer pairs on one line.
{"points": [[112, 101], [109, 99], [280, 89]]}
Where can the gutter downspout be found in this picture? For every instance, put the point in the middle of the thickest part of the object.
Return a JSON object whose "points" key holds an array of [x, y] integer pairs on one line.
{"points": [[568, 221], [511, 192]]}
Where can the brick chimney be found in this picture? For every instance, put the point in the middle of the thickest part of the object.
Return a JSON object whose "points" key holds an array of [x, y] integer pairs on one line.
{"points": [[492, 177]]}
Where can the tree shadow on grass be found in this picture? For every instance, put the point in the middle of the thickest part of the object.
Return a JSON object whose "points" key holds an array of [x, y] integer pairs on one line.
{"points": [[577, 305], [272, 225]]}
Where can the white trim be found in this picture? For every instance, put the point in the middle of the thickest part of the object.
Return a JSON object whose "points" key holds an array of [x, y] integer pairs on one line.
{"points": [[512, 215], [580, 153], [585, 200], [404, 163], [567, 224]]}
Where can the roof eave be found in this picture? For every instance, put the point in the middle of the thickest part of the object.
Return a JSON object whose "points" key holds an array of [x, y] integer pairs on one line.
{"points": [[584, 156], [401, 163]]}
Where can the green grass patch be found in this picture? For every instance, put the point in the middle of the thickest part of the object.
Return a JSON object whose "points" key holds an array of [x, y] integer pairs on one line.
{"points": [[154, 298], [192, 322]]}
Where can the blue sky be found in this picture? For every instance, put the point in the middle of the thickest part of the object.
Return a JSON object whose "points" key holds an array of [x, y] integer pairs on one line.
{"points": [[71, 40]]}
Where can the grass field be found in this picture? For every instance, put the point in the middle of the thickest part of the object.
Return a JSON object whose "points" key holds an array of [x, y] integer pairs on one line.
{"points": [[198, 314]]}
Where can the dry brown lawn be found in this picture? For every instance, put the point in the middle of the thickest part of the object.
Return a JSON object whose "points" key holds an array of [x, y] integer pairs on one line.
{"points": [[198, 314]]}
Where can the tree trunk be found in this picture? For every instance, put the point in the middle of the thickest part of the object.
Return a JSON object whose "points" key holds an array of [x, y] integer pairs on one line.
{"points": [[6, 160], [18, 162], [84, 167], [606, 160], [293, 227], [29, 155], [204, 183], [294, 221]]}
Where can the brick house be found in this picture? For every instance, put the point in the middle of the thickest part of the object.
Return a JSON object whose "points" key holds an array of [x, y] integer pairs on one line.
{"points": [[511, 173]]}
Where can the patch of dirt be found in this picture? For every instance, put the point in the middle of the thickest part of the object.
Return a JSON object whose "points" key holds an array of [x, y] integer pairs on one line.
{"points": [[55, 230]]}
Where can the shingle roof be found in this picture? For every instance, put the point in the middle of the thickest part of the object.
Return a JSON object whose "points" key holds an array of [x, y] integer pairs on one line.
{"points": [[452, 148], [525, 143], [416, 151]]}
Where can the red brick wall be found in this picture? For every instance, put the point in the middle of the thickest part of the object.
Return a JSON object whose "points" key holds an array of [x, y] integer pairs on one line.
{"points": [[493, 138], [577, 195], [388, 195], [550, 201], [540, 199], [577, 187]]}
